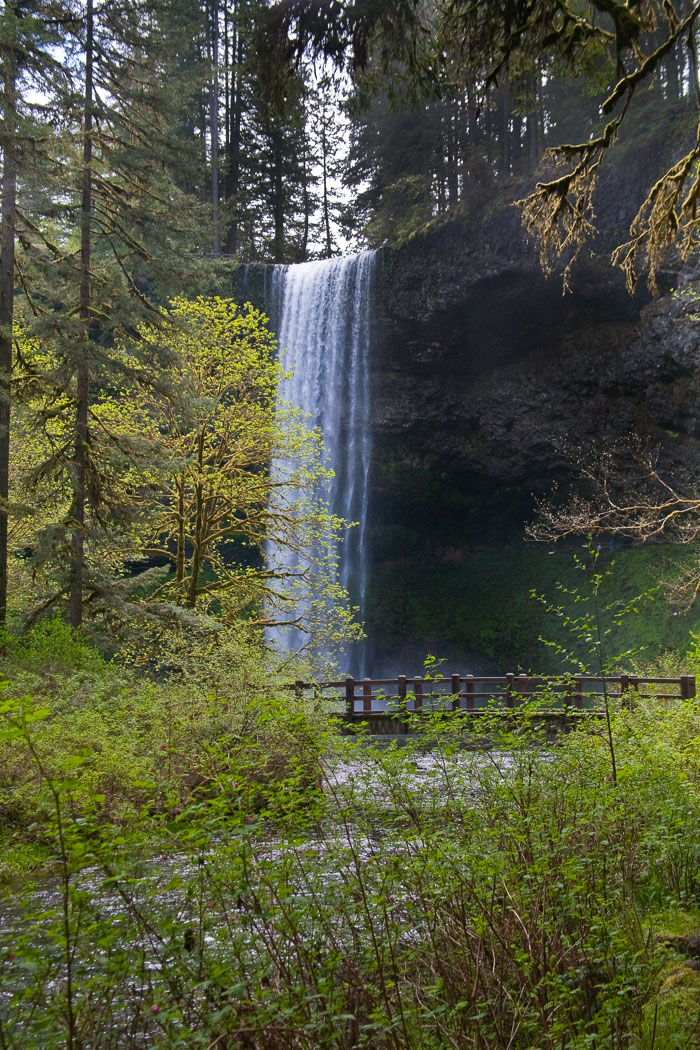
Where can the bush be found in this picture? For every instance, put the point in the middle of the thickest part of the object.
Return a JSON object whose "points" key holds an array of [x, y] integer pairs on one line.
{"points": [[482, 900], [132, 741]]}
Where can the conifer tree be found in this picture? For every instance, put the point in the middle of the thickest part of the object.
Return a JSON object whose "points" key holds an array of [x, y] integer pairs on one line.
{"points": [[8, 193], [618, 47], [327, 125], [187, 462], [132, 232], [28, 33]]}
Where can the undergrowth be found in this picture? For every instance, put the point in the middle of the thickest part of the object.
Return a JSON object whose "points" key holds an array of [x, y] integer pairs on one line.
{"points": [[511, 898], [138, 743]]}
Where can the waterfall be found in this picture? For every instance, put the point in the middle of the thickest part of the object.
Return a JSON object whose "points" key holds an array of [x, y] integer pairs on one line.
{"points": [[321, 315]]}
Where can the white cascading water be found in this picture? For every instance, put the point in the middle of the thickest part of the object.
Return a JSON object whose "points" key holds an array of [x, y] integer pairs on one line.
{"points": [[321, 315]]}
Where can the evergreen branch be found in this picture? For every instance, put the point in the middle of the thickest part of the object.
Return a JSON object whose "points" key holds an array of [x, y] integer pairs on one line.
{"points": [[111, 225], [36, 310], [133, 288], [33, 228], [35, 614], [138, 186]]}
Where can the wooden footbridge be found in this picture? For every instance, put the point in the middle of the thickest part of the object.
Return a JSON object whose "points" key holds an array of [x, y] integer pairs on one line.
{"points": [[396, 705]]}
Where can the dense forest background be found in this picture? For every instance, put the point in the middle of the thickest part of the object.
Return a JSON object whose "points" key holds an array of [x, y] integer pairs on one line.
{"points": [[281, 161], [150, 148]]}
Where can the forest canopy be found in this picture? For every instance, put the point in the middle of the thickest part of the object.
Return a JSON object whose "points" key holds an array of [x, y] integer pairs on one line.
{"points": [[507, 55], [146, 142]]}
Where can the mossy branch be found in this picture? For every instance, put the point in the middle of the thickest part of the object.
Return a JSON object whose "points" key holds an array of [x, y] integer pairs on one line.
{"points": [[560, 212]]}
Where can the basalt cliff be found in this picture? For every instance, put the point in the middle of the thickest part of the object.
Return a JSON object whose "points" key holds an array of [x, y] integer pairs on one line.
{"points": [[486, 382]]}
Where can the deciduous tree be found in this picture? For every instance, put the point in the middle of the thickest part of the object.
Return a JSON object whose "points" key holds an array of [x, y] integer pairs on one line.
{"points": [[217, 509]]}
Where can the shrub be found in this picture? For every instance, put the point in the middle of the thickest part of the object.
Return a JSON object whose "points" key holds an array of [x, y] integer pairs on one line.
{"points": [[477, 900]]}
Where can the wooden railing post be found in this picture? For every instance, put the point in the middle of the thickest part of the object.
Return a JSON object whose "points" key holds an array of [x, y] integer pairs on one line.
{"points": [[349, 697], [401, 693], [628, 682], [454, 686], [634, 684], [515, 687], [469, 692], [510, 688], [687, 686], [578, 694]]}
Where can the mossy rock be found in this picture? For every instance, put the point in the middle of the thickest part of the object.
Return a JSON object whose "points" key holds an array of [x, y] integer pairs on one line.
{"points": [[675, 923], [671, 1018]]}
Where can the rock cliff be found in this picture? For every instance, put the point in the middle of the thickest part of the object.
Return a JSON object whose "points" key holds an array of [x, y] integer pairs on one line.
{"points": [[485, 377]]}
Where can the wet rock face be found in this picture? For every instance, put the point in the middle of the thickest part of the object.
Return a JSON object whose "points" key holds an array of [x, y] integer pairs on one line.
{"points": [[485, 376]]}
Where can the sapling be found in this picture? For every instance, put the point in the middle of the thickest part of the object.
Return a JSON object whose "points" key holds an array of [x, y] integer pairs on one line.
{"points": [[592, 622]]}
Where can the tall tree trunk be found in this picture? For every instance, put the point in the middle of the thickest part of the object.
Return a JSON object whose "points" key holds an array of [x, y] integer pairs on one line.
{"points": [[672, 66], [326, 202], [473, 166], [227, 84], [233, 179], [490, 139], [180, 563], [479, 138], [8, 201], [451, 150], [77, 569], [504, 107], [214, 127], [440, 163], [306, 200], [694, 82], [535, 128], [278, 197], [198, 538], [516, 144]]}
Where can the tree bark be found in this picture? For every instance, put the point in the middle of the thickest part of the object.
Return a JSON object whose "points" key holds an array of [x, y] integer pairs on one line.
{"points": [[278, 197], [198, 538], [233, 178], [8, 203], [451, 151], [180, 563], [504, 107], [326, 202], [214, 127], [80, 437]]}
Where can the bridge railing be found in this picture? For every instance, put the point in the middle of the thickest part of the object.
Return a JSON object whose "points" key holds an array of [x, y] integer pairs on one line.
{"points": [[381, 696]]}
